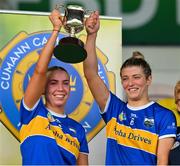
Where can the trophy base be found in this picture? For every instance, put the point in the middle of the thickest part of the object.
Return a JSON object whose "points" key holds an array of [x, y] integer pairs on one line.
{"points": [[70, 50]]}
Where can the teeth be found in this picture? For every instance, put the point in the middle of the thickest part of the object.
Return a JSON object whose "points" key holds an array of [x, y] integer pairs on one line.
{"points": [[133, 89], [59, 96]]}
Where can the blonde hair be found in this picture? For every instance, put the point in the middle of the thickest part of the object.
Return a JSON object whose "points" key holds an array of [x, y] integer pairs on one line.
{"points": [[54, 68], [177, 91]]}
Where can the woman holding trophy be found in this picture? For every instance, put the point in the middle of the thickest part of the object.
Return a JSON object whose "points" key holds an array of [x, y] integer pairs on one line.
{"points": [[139, 131], [48, 136]]}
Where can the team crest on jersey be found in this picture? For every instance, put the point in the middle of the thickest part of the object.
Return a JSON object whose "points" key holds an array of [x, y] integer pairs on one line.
{"points": [[17, 64], [149, 122]]}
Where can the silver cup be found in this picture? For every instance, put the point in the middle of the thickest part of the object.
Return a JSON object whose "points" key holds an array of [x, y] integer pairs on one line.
{"points": [[71, 49], [75, 19]]}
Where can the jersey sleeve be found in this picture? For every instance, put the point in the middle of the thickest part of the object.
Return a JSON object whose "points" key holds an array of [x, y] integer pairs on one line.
{"points": [[27, 114], [111, 110], [83, 142], [167, 127]]}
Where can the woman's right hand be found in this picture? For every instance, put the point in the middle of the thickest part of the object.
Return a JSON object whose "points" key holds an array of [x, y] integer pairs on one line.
{"points": [[56, 19], [92, 23]]}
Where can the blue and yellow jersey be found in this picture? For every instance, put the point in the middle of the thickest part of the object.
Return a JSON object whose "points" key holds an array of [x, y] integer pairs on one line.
{"points": [[170, 104], [50, 139], [133, 133]]}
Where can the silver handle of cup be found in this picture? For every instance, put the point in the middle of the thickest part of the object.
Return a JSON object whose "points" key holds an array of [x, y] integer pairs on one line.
{"points": [[59, 6], [88, 12]]}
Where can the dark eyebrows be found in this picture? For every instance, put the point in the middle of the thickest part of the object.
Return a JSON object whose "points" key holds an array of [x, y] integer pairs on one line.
{"points": [[51, 80], [66, 80], [137, 75], [134, 75]]}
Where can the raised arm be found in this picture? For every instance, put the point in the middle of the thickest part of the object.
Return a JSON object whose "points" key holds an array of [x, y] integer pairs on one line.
{"points": [[96, 84], [36, 86]]}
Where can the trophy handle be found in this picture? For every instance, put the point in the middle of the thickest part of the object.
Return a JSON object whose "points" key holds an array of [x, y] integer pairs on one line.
{"points": [[59, 6], [88, 12]]}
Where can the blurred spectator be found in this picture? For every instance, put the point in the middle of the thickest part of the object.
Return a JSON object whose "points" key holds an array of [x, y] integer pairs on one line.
{"points": [[177, 95], [174, 157]]}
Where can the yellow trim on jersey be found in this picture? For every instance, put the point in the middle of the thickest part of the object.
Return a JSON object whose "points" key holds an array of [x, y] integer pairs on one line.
{"points": [[41, 126], [135, 138]]}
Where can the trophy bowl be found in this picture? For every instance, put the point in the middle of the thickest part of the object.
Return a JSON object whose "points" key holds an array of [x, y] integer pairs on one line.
{"points": [[71, 49]]}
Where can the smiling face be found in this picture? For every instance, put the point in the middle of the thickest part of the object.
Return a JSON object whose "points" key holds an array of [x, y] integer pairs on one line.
{"points": [[135, 83], [57, 89], [135, 78]]}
